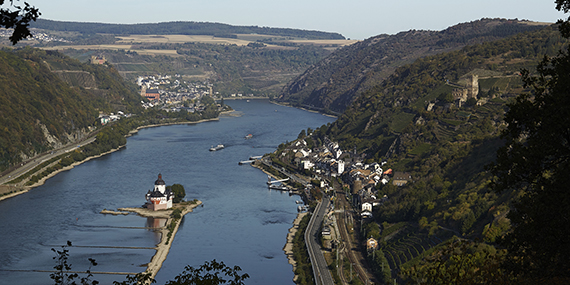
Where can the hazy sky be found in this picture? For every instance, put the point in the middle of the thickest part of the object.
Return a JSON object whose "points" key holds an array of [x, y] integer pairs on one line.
{"points": [[355, 19]]}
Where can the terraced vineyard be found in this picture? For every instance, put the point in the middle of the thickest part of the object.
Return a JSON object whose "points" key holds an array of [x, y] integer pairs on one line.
{"points": [[408, 244], [77, 78]]}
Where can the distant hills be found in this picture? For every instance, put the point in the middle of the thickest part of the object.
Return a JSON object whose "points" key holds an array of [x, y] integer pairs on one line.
{"points": [[236, 59], [181, 28], [335, 81]]}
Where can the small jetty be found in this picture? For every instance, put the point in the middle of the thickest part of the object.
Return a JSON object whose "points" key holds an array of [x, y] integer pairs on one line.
{"points": [[105, 211], [246, 162], [278, 187], [269, 181], [218, 147]]}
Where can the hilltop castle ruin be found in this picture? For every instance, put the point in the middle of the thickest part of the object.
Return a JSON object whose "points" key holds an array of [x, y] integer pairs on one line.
{"points": [[469, 90]]}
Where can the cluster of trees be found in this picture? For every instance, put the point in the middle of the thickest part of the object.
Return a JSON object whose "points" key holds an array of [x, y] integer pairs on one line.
{"points": [[535, 160], [179, 192], [303, 270]]}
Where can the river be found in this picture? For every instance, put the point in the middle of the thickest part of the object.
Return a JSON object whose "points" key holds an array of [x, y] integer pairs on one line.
{"points": [[241, 222]]}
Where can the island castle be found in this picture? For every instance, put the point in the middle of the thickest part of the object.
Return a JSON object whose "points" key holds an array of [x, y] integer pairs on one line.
{"points": [[160, 198]]}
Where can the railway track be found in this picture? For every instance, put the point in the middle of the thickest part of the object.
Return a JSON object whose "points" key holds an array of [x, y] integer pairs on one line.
{"points": [[355, 258]]}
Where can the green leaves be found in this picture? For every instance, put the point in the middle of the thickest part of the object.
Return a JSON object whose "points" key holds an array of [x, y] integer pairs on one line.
{"points": [[210, 273]]}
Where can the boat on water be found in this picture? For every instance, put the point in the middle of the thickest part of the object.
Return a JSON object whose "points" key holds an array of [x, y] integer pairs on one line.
{"points": [[218, 147], [249, 136]]}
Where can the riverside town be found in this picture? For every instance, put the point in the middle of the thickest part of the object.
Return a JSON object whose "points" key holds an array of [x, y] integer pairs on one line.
{"points": [[192, 151]]}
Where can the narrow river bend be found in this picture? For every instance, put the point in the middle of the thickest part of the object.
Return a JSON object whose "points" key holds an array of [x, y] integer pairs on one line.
{"points": [[241, 223]]}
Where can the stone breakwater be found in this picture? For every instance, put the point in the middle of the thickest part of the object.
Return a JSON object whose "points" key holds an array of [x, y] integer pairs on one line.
{"points": [[163, 247]]}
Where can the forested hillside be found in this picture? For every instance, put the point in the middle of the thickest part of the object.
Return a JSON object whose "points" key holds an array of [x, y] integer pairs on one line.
{"points": [[49, 99], [412, 121], [182, 28], [333, 83]]}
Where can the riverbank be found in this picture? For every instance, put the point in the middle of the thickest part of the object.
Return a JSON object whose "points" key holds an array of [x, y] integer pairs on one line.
{"points": [[162, 248], [24, 189], [304, 109], [177, 123], [245, 98], [16, 190], [288, 248]]}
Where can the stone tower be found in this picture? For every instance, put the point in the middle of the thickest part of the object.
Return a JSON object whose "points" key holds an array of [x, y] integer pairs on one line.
{"points": [[473, 87]]}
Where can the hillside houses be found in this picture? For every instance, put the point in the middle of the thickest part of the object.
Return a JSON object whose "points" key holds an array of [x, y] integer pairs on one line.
{"points": [[107, 118], [172, 90], [328, 160]]}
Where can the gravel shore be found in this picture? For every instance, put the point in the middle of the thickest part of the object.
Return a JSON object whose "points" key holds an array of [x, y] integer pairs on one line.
{"points": [[288, 248]]}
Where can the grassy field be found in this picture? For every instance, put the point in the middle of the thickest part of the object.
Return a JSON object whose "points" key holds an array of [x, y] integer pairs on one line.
{"points": [[126, 42]]}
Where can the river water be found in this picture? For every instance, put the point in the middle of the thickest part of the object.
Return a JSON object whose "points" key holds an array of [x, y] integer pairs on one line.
{"points": [[241, 222]]}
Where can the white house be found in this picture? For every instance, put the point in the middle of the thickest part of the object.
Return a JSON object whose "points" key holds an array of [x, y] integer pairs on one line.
{"points": [[340, 169], [307, 164], [367, 206]]}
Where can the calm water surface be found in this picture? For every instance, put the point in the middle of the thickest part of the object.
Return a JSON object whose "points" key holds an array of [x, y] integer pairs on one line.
{"points": [[241, 223]]}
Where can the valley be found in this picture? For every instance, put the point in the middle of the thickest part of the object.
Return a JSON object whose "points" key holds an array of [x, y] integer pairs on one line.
{"points": [[422, 119]]}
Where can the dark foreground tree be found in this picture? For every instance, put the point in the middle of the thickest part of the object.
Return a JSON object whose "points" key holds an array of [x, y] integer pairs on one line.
{"points": [[62, 276], [535, 162], [210, 273], [18, 18]]}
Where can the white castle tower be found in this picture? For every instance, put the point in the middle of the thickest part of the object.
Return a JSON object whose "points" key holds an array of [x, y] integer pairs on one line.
{"points": [[159, 198]]}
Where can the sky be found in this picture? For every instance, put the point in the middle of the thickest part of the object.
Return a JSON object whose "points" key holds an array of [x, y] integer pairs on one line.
{"points": [[354, 19]]}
